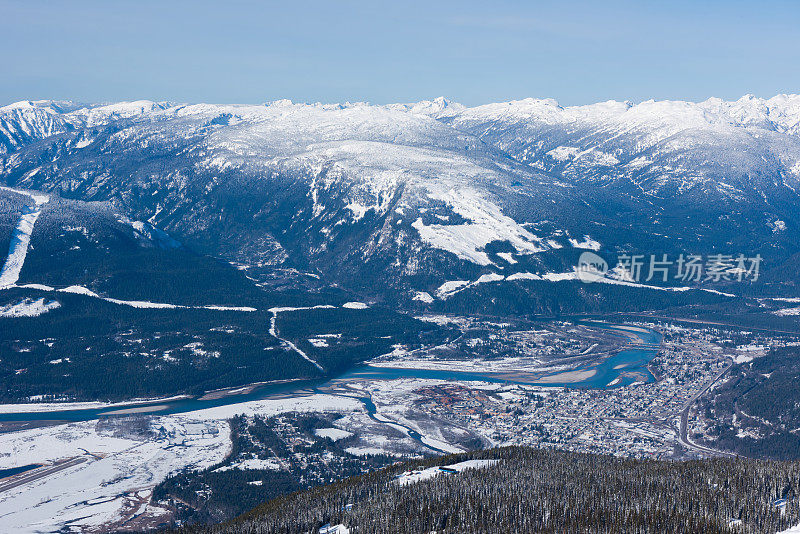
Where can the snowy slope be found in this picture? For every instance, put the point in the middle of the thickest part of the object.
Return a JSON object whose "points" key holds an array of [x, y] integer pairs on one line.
{"points": [[405, 197], [24, 122], [332, 169], [20, 239], [663, 146]]}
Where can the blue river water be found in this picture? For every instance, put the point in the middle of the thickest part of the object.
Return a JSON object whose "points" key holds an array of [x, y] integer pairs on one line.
{"points": [[4, 473], [623, 368]]}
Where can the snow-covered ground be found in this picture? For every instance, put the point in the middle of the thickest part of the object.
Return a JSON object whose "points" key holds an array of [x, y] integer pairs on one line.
{"points": [[117, 471], [21, 237], [355, 305], [450, 288], [333, 433], [253, 463], [38, 407], [334, 529], [28, 308], [487, 223], [142, 304], [477, 365], [412, 477], [111, 481]]}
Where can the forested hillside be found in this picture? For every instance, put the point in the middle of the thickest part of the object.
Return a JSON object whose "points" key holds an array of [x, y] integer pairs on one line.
{"points": [[756, 412], [530, 490]]}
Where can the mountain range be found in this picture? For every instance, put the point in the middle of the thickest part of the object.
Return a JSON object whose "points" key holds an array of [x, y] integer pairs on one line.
{"points": [[394, 201], [430, 206]]}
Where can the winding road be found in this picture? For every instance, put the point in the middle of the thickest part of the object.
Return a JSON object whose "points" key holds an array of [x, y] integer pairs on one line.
{"points": [[683, 431]]}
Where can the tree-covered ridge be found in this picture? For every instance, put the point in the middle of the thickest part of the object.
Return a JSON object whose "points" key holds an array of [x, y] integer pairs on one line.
{"points": [[92, 349], [533, 490], [756, 412]]}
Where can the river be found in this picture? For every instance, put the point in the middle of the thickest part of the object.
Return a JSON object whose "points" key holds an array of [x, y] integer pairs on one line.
{"points": [[623, 368]]}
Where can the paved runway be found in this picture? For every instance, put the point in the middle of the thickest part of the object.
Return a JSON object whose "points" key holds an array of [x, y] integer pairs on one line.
{"points": [[36, 474]]}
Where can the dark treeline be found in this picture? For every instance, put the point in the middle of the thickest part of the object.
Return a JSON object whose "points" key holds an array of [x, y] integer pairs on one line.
{"points": [[763, 395], [363, 333], [90, 349], [524, 297], [532, 490], [75, 243]]}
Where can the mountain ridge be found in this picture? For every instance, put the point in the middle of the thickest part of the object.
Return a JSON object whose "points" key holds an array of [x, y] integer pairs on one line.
{"points": [[416, 195]]}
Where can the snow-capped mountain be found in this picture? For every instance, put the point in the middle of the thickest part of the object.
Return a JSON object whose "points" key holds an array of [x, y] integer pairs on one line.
{"points": [[406, 197], [665, 148]]}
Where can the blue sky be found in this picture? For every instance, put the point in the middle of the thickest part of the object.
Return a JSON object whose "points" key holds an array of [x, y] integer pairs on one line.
{"points": [[335, 51]]}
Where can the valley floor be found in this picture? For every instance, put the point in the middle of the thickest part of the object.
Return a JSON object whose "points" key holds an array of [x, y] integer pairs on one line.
{"points": [[98, 475]]}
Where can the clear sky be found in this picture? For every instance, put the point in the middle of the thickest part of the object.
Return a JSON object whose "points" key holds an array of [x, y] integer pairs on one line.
{"points": [[381, 52]]}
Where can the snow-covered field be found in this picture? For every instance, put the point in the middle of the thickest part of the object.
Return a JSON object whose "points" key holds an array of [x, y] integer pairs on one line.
{"points": [[36, 407], [476, 365], [28, 308], [412, 477], [333, 433], [119, 469], [117, 473]]}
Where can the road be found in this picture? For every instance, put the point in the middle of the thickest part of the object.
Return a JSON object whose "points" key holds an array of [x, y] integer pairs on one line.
{"points": [[683, 431], [37, 474]]}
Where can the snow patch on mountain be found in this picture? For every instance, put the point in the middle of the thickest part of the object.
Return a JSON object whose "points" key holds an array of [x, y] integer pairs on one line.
{"points": [[355, 305], [28, 308], [423, 296], [563, 153], [523, 276], [778, 226], [787, 312], [79, 290], [587, 243], [449, 289], [487, 224], [21, 237]]}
